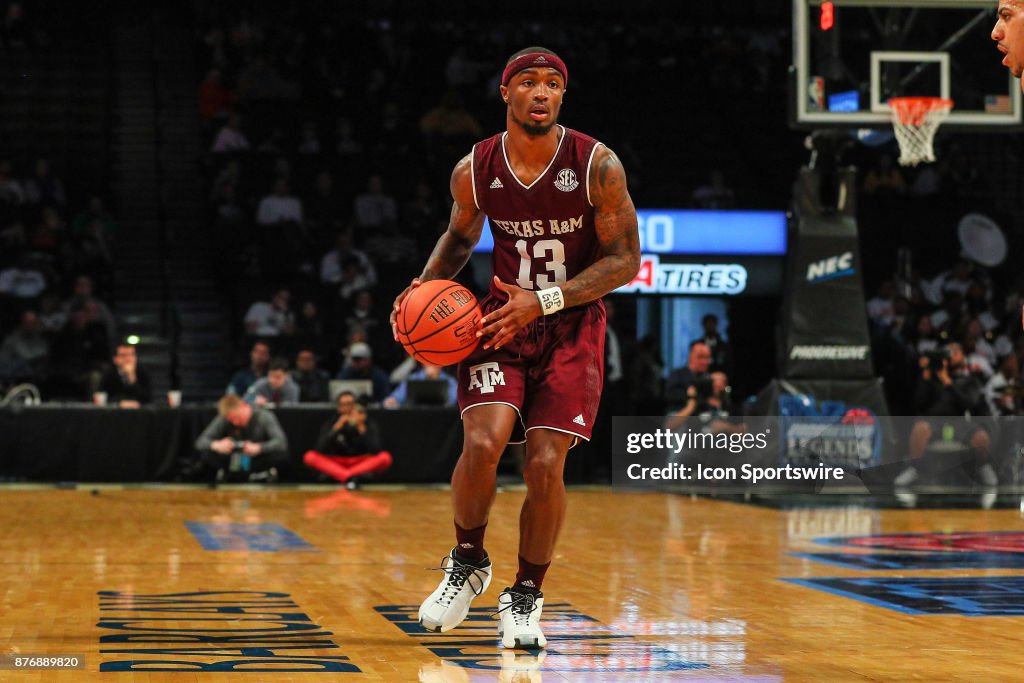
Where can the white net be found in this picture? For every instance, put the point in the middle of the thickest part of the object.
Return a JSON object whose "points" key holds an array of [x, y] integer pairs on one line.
{"points": [[915, 120]]}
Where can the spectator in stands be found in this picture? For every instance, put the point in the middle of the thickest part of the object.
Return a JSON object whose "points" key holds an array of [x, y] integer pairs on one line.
{"points": [[11, 191], [96, 211], [311, 380], [718, 345], [243, 442], [16, 33], [449, 119], [949, 392], [321, 209], [280, 206], [230, 138], [880, 306], [88, 252], [48, 234], [715, 194], [349, 445], [1003, 389], [259, 359], [82, 294], [77, 354], [400, 396], [309, 325], [424, 217], [373, 209], [309, 140], [681, 379], [25, 350], [347, 145], [362, 316], [51, 317], [277, 388], [43, 187], [126, 384], [271, 318], [709, 399], [24, 280], [215, 101], [333, 264], [359, 365]]}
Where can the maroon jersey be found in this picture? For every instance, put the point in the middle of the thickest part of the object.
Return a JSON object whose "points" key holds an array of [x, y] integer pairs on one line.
{"points": [[544, 231]]}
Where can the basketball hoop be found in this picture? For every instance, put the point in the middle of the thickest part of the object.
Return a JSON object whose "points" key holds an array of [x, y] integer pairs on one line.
{"points": [[915, 120]]}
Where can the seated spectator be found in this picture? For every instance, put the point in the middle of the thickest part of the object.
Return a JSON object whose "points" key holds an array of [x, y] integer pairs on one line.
{"points": [[353, 279], [43, 187], [230, 138], [280, 206], [95, 212], [243, 443], [215, 101], [309, 140], [77, 353], [322, 208], [400, 396], [126, 384], [311, 380], [82, 294], [449, 119], [88, 252], [309, 324], [374, 209], [360, 366], [681, 379], [277, 388], [271, 319], [51, 316], [947, 393], [332, 265], [716, 343], [11, 191], [362, 316], [48, 234], [24, 280], [347, 144], [1003, 389], [259, 359], [24, 351], [349, 445]]}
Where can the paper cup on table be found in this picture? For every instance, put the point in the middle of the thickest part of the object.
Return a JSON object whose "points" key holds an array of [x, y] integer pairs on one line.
{"points": [[174, 398], [99, 398]]}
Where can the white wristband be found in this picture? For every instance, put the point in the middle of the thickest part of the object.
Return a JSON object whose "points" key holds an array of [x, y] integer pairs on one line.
{"points": [[551, 300]]}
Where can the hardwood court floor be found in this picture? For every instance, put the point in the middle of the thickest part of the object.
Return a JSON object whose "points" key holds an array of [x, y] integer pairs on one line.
{"points": [[644, 587]]}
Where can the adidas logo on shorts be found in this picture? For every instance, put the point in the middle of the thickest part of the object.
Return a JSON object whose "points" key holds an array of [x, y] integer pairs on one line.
{"points": [[496, 184], [579, 420]]}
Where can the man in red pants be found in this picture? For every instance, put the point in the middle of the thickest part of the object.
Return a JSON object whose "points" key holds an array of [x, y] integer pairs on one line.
{"points": [[349, 446]]}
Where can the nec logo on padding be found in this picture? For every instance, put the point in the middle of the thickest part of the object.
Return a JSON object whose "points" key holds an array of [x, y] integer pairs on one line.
{"points": [[485, 377], [831, 268]]}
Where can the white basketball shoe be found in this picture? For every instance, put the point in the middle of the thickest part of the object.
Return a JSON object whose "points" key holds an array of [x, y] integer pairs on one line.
{"points": [[448, 605], [520, 619]]}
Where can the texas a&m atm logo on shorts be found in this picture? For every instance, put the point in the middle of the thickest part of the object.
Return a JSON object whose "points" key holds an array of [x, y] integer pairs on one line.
{"points": [[485, 377]]}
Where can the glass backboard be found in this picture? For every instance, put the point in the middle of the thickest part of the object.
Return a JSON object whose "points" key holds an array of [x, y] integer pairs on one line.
{"points": [[851, 56]]}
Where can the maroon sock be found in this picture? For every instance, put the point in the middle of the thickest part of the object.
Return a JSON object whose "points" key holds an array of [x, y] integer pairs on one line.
{"points": [[470, 543], [531, 575]]}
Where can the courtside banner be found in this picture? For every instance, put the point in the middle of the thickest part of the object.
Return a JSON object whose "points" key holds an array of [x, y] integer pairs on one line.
{"points": [[856, 452]]}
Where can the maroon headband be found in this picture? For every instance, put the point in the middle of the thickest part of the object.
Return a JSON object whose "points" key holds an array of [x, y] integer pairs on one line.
{"points": [[538, 60]]}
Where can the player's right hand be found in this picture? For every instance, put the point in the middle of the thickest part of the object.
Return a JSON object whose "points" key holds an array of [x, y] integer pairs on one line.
{"points": [[416, 282]]}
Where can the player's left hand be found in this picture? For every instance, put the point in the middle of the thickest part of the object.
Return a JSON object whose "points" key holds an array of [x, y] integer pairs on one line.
{"points": [[519, 311]]}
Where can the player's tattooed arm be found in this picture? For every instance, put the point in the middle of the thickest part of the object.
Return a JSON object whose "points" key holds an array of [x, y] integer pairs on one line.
{"points": [[616, 227], [464, 227], [456, 245]]}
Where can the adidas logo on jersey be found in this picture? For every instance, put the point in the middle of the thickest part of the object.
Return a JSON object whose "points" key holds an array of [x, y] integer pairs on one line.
{"points": [[579, 420], [496, 184]]}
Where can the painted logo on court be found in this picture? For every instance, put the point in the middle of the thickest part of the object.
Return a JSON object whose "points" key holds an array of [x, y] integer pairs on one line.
{"points": [[959, 542], [566, 180]]}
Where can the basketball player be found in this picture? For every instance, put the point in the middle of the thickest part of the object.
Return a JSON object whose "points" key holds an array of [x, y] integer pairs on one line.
{"points": [[565, 234], [1009, 35]]}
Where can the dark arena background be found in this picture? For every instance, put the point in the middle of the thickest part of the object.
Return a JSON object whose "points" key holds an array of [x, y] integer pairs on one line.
{"points": [[208, 209]]}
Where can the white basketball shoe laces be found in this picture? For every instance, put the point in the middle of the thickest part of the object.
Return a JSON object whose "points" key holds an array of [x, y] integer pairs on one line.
{"points": [[520, 619]]}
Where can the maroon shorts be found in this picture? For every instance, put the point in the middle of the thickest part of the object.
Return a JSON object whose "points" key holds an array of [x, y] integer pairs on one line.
{"points": [[551, 372]]}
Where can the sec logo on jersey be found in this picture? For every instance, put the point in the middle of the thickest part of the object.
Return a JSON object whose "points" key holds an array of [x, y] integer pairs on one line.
{"points": [[566, 180]]}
